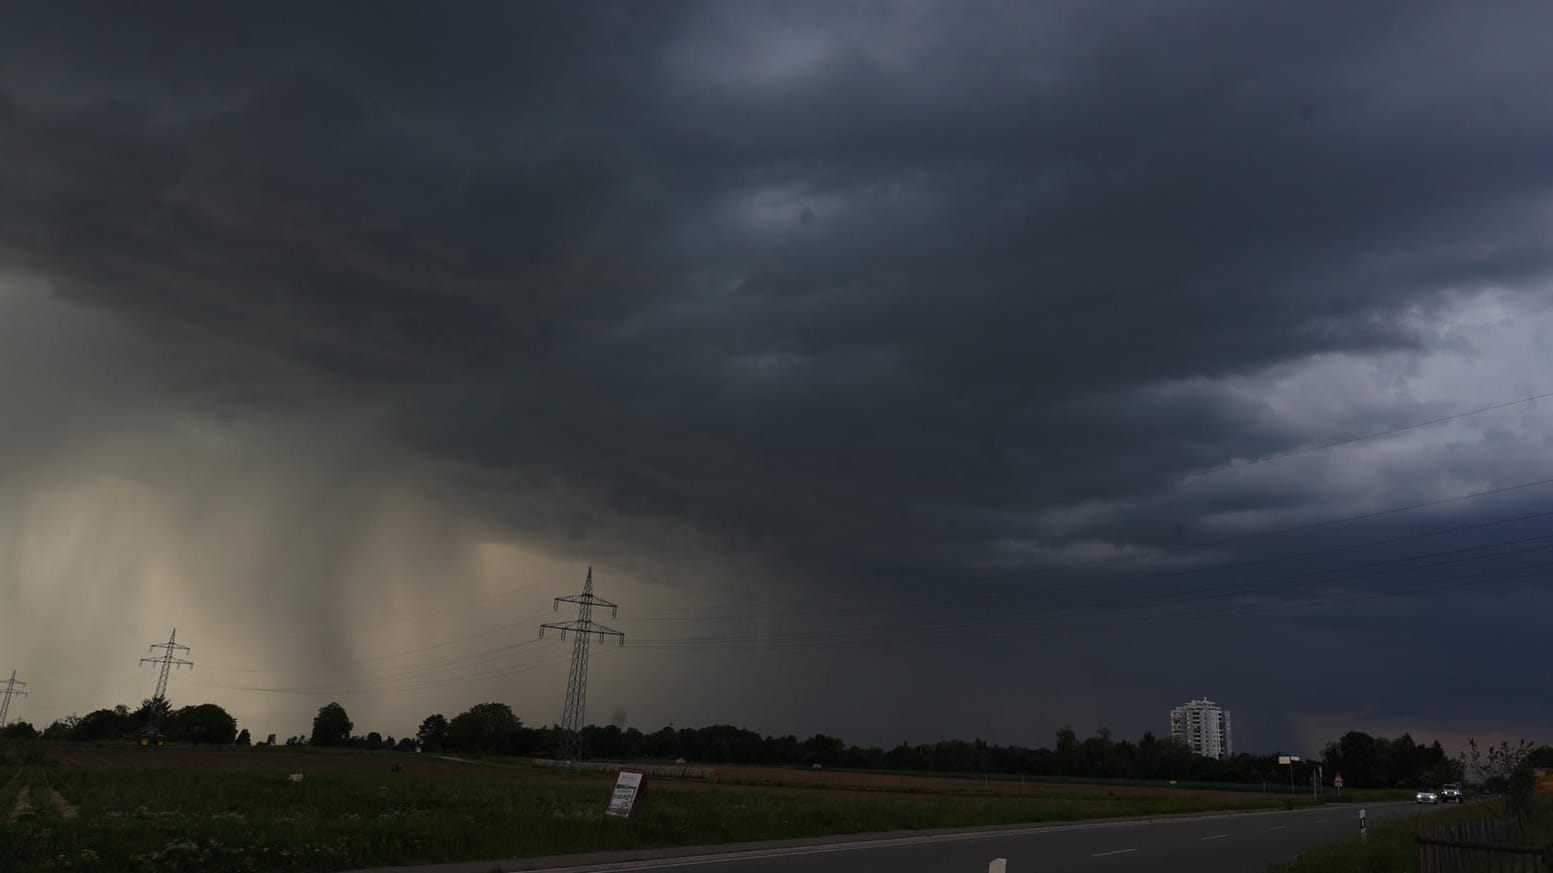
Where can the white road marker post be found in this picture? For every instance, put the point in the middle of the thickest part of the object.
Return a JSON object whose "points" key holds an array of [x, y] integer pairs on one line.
{"points": [[998, 865], [1364, 827]]}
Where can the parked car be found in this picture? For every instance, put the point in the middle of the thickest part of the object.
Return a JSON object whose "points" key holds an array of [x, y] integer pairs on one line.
{"points": [[1428, 795]]}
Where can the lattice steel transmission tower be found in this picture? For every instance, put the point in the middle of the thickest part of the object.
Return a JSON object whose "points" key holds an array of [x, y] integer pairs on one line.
{"points": [[168, 660], [7, 691], [587, 631]]}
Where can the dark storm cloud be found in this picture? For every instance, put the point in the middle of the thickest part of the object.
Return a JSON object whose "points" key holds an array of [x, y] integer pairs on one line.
{"points": [[878, 293]]}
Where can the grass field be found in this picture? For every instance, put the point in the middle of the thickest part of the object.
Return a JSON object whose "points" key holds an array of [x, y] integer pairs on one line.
{"points": [[236, 811]]}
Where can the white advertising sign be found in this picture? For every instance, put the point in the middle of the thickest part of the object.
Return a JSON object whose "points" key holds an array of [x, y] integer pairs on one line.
{"points": [[627, 786]]}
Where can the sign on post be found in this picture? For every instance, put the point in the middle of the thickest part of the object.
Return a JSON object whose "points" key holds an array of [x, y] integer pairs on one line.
{"points": [[628, 786], [1337, 781], [1545, 778], [1285, 759]]}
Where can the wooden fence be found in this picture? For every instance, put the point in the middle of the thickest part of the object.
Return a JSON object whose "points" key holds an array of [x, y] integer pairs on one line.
{"points": [[1486, 845]]}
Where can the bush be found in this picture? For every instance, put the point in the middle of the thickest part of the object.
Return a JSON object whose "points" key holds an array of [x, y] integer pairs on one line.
{"points": [[18, 731]]}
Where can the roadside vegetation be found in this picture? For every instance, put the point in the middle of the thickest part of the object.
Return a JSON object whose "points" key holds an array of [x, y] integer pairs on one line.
{"points": [[1393, 847], [1390, 848], [1508, 770]]}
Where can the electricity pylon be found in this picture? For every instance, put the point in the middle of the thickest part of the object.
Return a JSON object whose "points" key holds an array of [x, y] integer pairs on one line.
{"points": [[7, 691], [587, 631], [168, 660]]}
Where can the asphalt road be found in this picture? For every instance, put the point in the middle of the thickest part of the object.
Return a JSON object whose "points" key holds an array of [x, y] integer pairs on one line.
{"points": [[1246, 842]]}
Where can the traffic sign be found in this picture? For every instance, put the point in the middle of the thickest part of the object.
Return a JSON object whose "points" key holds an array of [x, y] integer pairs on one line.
{"points": [[1337, 781], [1545, 778]]}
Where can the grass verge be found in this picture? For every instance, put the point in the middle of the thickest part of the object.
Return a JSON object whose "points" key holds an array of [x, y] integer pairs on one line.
{"points": [[1392, 847]]}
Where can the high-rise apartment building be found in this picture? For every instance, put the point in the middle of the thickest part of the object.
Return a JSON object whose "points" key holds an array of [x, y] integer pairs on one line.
{"points": [[1204, 727]]}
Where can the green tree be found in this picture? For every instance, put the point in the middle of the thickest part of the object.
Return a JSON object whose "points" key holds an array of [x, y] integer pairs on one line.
{"points": [[1067, 750], [331, 726], [244, 739], [103, 724], [1100, 754], [484, 727], [433, 733], [18, 730], [205, 723], [823, 750], [1148, 755], [374, 740], [152, 706], [1398, 762], [1358, 760]]}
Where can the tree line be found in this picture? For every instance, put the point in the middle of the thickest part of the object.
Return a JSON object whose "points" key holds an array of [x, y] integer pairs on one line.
{"points": [[1365, 761], [201, 723], [1381, 762]]}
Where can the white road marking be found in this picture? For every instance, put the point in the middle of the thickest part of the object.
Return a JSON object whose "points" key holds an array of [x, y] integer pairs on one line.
{"points": [[1279, 828], [1108, 854], [1216, 837], [1321, 821]]}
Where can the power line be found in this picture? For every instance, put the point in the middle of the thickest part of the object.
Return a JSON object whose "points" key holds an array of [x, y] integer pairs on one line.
{"points": [[106, 688], [1208, 544], [1122, 580], [392, 676], [1279, 456], [1377, 568], [402, 653], [333, 631], [1226, 590], [1471, 580], [500, 674], [1488, 577], [586, 630]]}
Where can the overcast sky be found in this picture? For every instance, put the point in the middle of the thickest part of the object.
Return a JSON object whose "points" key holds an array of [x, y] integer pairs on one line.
{"points": [[904, 370]]}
